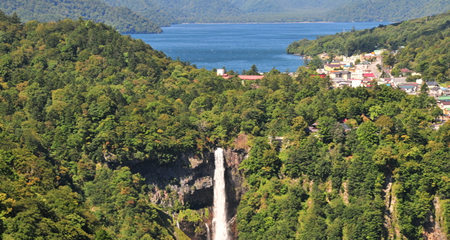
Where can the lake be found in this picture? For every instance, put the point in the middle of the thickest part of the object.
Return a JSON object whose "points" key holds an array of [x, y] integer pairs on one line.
{"points": [[239, 46]]}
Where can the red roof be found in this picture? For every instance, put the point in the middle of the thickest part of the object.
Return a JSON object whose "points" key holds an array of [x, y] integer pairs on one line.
{"points": [[250, 77], [320, 75], [334, 65], [368, 75], [244, 77]]}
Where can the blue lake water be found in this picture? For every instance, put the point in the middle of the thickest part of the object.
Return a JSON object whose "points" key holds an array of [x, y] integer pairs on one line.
{"points": [[239, 46]]}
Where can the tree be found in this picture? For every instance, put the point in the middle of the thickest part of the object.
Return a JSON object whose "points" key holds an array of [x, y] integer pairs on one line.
{"points": [[15, 18], [424, 88], [102, 235], [325, 124], [298, 128], [253, 70], [367, 133], [375, 111], [395, 72], [262, 162], [315, 63]]}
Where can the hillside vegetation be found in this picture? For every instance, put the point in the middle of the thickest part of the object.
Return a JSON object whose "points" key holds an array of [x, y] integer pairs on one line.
{"points": [[386, 10], [148, 9], [421, 44], [80, 103], [123, 19], [140, 16], [176, 11], [58, 85], [297, 10]]}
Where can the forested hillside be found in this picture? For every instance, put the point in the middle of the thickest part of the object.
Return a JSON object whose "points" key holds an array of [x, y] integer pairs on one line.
{"points": [[123, 19], [140, 16], [422, 44], [271, 6], [148, 9], [176, 11], [59, 93], [80, 104], [383, 177], [386, 10], [284, 11]]}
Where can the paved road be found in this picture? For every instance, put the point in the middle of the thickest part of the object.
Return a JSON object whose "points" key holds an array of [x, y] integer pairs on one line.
{"points": [[374, 69]]}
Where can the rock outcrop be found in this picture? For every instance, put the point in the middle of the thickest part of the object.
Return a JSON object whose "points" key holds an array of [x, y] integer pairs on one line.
{"points": [[235, 185], [189, 182]]}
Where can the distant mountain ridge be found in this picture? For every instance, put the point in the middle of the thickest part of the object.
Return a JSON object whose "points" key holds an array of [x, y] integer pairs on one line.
{"points": [[177, 11], [123, 19], [166, 12], [180, 11], [144, 16], [388, 10]]}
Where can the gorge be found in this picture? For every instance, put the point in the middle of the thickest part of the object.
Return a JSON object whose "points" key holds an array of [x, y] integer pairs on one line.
{"points": [[200, 182], [220, 198]]}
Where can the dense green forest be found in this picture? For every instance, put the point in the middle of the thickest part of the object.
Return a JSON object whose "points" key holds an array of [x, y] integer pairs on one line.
{"points": [[79, 102], [282, 10], [338, 184], [166, 12], [176, 11], [149, 9], [140, 16], [386, 10], [62, 86], [422, 45], [123, 19]]}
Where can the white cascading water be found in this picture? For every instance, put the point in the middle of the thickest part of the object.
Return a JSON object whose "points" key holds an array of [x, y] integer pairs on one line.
{"points": [[208, 234], [220, 208]]}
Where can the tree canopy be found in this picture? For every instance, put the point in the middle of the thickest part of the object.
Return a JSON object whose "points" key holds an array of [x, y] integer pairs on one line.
{"points": [[81, 104]]}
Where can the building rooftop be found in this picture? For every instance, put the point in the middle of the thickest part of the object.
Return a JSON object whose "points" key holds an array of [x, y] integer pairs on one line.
{"points": [[368, 75], [405, 70], [407, 86], [399, 80], [250, 77], [245, 77], [444, 98]]}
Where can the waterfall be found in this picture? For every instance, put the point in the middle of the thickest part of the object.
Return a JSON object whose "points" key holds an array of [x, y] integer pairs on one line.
{"points": [[220, 208], [208, 233], [178, 224]]}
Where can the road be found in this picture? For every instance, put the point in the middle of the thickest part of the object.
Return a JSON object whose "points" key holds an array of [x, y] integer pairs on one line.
{"points": [[373, 67]]}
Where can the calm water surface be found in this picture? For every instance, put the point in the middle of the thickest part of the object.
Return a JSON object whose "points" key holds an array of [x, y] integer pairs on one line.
{"points": [[239, 46]]}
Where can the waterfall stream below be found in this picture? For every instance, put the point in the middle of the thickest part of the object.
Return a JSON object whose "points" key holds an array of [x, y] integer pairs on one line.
{"points": [[220, 225]]}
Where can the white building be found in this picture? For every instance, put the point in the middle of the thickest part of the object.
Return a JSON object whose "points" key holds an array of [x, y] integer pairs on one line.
{"points": [[220, 72]]}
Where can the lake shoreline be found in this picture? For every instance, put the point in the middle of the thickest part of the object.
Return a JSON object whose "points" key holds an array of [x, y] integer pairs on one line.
{"points": [[238, 46], [255, 22]]}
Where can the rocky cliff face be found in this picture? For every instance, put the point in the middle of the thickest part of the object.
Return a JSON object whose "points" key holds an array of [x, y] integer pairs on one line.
{"points": [[433, 228], [434, 219], [235, 185], [189, 182]]}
